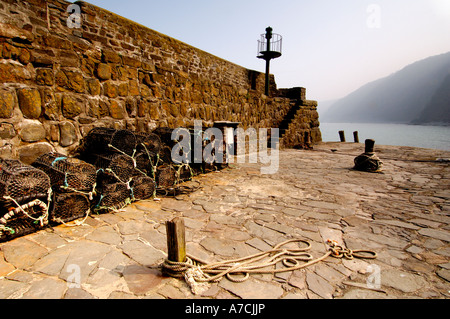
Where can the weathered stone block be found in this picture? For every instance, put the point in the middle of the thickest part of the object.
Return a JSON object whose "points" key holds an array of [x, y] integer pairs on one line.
{"points": [[133, 88], [54, 132], [155, 110], [7, 131], [69, 59], [133, 62], [86, 120], [103, 109], [45, 76], [148, 66], [123, 89], [13, 72], [11, 31], [145, 91], [67, 133], [32, 131], [170, 108], [25, 56], [49, 105], [143, 108], [7, 104], [53, 41], [110, 89], [116, 110], [30, 103], [88, 66], [104, 71], [28, 154], [72, 80], [130, 105], [93, 86], [110, 56], [70, 107]]}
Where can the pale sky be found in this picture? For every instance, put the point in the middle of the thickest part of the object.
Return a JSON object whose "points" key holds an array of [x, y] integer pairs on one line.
{"points": [[330, 47]]}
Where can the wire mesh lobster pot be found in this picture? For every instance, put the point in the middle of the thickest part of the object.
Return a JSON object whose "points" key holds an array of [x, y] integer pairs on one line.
{"points": [[27, 187], [148, 142], [29, 218], [144, 164], [165, 155], [184, 173], [113, 196], [165, 134], [106, 140], [118, 165], [68, 206], [72, 173], [22, 182], [166, 176], [143, 187]]}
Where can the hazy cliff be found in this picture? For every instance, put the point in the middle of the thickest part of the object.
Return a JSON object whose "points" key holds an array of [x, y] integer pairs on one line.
{"points": [[418, 93]]}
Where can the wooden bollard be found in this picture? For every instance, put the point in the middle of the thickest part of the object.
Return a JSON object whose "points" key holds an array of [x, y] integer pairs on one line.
{"points": [[355, 136], [176, 242], [342, 136], [370, 143]]}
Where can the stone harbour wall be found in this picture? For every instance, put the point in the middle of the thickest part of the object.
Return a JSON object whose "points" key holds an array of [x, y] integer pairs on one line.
{"points": [[58, 82]]}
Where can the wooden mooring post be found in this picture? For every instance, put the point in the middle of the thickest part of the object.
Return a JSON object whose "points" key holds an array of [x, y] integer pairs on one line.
{"points": [[355, 136], [369, 146], [176, 242], [342, 136]]}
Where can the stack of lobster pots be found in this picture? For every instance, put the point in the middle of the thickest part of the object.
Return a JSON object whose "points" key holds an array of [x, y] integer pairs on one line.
{"points": [[111, 169], [124, 161], [73, 185]]}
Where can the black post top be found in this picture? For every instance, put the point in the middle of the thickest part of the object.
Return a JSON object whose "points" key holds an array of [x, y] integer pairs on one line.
{"points": [[269, 33], [370, 143]]}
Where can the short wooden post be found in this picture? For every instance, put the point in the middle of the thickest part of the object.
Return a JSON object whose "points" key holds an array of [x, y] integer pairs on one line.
{"points": [[176, 242], [342, 136], [355, 136], [370, 143]]}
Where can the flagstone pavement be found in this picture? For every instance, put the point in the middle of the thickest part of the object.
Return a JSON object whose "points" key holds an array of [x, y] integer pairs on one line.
{"points": [[403, 214]]}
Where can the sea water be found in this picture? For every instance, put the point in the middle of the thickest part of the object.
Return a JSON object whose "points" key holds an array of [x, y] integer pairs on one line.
{"points": [[427, 136]]}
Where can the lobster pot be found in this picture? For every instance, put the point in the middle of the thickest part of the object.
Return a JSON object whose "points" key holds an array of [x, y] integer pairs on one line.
{"points": [[25, 186], [22, 182], [165, 155], [29, 218], [68, 206], [117, 165], [165, 134], [113, 196], [148, 142], [106, 140], [166, 176], [144, 163], [143, 187], [184, 173], [69, 172]]}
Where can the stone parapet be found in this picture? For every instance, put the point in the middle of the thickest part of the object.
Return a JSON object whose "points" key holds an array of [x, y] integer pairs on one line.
{"points": [[112, 72]]}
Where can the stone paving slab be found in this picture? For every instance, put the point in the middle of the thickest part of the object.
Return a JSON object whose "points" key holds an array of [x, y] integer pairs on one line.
{"points": [[403, 214]]}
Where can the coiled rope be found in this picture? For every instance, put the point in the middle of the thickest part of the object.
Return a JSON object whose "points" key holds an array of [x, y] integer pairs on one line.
{"points": [[198, 273], [368, 162]]}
